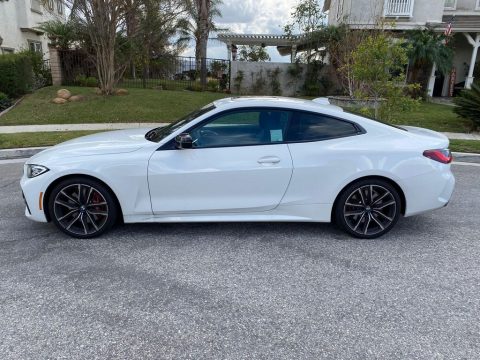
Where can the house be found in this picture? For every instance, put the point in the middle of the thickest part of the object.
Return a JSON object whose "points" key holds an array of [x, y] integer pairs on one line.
{"points": [[18, 22], [462, 16]]}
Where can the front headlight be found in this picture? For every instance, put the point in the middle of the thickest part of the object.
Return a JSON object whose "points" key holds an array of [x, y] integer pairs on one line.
{"points": [[32, 170]]}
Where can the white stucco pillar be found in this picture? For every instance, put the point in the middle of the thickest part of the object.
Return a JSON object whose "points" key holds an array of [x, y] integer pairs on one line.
{"points": [[293, 55], [229, 50], [476, 44], [431, 80]]}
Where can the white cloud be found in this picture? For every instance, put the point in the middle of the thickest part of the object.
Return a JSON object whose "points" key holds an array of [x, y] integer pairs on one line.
{"points": [[252, 17]]}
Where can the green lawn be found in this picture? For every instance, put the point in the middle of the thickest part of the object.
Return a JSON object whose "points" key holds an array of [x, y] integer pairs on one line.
{"points": [[20, 140], [469, 146], [141, 105], [432, 116], [436, 117]]}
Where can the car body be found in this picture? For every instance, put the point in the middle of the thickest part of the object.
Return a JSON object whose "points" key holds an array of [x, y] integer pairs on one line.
{"points": [[245, 159]]}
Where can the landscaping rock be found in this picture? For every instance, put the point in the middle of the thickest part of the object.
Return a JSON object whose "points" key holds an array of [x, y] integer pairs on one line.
{"points": [[121, 92], [64, 94], [76, 98], [59, 100]]}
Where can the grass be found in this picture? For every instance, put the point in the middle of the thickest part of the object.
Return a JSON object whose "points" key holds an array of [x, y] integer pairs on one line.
{"points": [[432, 116], [20, 140], [469, 146], [140, 105]]}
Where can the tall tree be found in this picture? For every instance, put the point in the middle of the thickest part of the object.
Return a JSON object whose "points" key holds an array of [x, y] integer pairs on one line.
{"points": [[426, 46], [254, 53], [190, 25], [307, 19], [203, 8], [102, 19]]}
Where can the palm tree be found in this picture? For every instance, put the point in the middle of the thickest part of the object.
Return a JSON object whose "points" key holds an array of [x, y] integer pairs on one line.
{"points": [[425, 47], [197, 26], [61, 34]]}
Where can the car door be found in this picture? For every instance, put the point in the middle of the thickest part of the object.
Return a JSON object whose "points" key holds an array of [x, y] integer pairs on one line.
{"points": [[238, 163]]}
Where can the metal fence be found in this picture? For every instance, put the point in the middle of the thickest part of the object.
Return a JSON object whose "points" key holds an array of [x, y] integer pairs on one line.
{"points": [[168, 72]]}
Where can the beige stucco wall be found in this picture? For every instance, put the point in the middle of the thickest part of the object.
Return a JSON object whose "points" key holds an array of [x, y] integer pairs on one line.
{"points": [[16, 14], [367, 12]]}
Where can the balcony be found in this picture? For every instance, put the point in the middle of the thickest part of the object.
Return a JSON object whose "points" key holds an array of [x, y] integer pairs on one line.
{"points": [[398, 8]]}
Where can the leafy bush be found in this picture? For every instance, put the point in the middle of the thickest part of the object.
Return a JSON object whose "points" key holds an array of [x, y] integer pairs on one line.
{"points": [[82, 80], [42, 76], [468, 104], [212, 85], [5, 102], [16, 74]]}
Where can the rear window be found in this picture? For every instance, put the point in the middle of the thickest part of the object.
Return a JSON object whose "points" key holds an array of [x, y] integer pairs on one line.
{"points": [[315, 127]]}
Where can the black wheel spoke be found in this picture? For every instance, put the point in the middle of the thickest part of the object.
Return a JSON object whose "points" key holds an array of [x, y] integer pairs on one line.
{"points": [[384, 205]]}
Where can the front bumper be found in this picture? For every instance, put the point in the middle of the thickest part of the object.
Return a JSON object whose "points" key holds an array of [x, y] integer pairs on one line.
{"points": [[33, 191]]}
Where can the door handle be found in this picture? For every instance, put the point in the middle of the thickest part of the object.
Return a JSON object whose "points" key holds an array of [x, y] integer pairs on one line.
{"points": [[268, 160]]}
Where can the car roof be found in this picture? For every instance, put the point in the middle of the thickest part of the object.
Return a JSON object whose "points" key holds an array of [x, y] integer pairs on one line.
{"points": [[276, 101]]}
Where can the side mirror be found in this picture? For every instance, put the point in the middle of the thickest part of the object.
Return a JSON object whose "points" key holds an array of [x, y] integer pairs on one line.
{"points": [[184, 141]]}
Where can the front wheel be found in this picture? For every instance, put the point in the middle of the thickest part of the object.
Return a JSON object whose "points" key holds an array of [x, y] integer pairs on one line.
{"points": [[368, 208], [82, 208]]}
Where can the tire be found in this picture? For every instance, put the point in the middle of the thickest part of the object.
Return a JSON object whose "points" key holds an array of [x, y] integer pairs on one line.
{"points": [[368, 208], [82, 208]]}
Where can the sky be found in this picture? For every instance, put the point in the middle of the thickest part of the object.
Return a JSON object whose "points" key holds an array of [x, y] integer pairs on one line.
{"points": [[251, 17]]}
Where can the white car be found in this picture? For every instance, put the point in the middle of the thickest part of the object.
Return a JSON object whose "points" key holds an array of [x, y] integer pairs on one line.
{"points": [[243, 159]]}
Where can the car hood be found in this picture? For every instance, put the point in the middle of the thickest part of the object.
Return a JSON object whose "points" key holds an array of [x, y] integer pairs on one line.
{"points": [[111, 142]]}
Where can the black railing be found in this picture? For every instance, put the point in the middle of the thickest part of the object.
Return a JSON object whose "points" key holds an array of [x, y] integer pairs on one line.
{"points": [[167, 72]]}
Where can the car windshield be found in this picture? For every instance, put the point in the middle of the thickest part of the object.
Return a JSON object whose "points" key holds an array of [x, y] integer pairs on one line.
{"points": [[160, 133]]}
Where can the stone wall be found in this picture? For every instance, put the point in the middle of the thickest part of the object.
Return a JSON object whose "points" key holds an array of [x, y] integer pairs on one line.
{"points": [[259, 79]]}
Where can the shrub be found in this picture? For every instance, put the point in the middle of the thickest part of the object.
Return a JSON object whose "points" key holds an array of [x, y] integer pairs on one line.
{"points": [[82, 80], [42, 76], [212, 85], [468, 104], [5, 102], [16, 74]]}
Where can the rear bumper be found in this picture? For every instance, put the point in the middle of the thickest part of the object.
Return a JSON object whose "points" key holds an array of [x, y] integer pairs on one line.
{"points": [[429, 191]]}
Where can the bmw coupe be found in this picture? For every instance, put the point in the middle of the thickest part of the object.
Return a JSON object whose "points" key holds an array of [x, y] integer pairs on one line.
{"points": [[243, 159]]}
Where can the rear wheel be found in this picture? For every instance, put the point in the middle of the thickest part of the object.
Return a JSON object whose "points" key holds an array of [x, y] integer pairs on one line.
{"points": [[368, 208], [82, 208]]}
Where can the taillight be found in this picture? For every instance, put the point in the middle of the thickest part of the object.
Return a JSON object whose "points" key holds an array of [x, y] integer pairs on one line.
{"points": [[441, 155]]}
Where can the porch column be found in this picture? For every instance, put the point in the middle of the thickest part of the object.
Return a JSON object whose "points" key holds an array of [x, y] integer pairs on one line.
{"points": [[431, 80], [293, 55], [476, 44], [55, 66], [229, 50]]}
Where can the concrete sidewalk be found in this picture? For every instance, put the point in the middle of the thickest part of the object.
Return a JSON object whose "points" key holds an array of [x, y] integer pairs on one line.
{"points": [[119, 126], [75, 127]]}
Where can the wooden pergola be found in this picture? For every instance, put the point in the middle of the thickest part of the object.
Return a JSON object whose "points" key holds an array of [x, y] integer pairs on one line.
{"points": [[285, 44]]}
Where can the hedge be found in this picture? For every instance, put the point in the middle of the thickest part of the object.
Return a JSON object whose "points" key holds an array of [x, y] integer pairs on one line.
{"points": [[16, 74]]}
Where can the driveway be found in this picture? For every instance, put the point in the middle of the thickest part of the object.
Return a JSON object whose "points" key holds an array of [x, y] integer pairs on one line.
{"points": [[242, 291]]}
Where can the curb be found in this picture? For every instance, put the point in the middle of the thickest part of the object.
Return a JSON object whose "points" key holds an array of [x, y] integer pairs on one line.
{"points": [[9, 154]]}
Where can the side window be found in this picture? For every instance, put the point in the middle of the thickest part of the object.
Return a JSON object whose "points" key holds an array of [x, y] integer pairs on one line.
{"points": [[315, 127], [242, 127]]}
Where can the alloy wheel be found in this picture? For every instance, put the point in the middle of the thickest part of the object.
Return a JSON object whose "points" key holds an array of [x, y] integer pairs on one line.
{"points": [[370, 210], [81, 209]]}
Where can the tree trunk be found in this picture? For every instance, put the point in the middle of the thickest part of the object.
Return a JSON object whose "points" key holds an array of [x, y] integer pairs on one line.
{"points": [[204, 11]]}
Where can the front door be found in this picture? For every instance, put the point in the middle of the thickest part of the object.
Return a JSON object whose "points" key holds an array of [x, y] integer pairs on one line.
{"points": [[238, 163]]}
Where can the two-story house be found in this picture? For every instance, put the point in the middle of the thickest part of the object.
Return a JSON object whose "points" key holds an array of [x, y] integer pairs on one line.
{"points": [[463, 15], [18, 22]]}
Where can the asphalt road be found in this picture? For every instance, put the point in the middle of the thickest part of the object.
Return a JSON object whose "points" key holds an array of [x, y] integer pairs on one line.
{"points": [[242, 291]]}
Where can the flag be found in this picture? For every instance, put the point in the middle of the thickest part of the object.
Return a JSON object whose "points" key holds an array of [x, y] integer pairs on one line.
{"points": [[449, 28]]}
